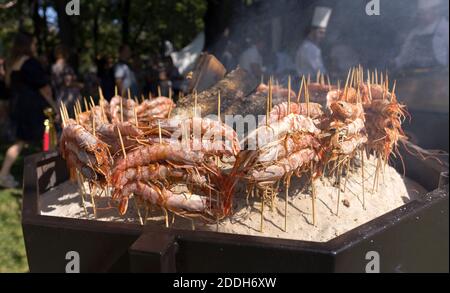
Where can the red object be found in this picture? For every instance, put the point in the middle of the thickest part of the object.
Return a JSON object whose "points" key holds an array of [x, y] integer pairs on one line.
{"points": [[46, 141]]}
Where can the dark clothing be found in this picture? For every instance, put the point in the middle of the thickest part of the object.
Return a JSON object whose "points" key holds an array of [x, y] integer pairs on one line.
{"points": [[27, 103], [107, 83], [3, 91], [69, 97]]}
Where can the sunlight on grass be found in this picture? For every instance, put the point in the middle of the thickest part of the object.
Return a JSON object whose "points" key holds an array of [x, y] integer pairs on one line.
{"points": [[12, 248]]}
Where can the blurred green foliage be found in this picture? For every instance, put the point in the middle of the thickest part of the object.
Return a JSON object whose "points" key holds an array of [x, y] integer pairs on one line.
{"points": [[98, 28]]}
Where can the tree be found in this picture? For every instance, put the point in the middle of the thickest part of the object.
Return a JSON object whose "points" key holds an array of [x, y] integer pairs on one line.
{"points": [[105, 24]]}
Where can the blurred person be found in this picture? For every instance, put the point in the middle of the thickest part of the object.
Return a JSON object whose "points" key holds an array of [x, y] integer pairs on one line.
{"points": [[3, 91], [123, 74], [3, 98], [30, 94], [309, 59], [228, 58], [105, 73], [58, 68], [137, 66], [70, 91], [284, 65], [91, 82], [176, 80], [151, 81], [251, 59], [342, 57], [426, 46], [164, 82]]}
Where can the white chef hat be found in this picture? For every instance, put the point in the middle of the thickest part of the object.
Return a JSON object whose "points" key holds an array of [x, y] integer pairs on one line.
{"points": [[428, 4], [321, 17]]}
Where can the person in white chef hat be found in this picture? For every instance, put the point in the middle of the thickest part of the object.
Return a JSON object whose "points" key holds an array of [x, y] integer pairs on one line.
{"points": [[309, 55], [427, 44]]}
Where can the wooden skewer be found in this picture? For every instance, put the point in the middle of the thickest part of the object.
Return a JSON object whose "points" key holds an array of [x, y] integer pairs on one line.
{"points": [[195, 103], [375, 180], [92, 104], [301, 89], [102, 107], [66, 113], [286, 201], [93, 194], [100, 93], [339, 170], [79, 107], [270, 94], [170, 93], [138, 210], [318, 77], [75, 111], [116, 91], [93, 124], [166, 216], [160, 132], [307, 100], [387, 81], [261, 228], [394, 87], [136, 116], [64, 123], [170, 112], [219, 107], [363, 179], [129, 93], [289, 95], [121, 110], [267, 109], [121, 143], [147, 211], [346, 85], [82, 193], [352, 78], [358, 96], [313, 196], [159, 91], [347, 175], [86, 106]]}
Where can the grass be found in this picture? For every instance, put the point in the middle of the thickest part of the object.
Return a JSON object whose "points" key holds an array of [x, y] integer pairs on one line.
{"points": [[12, 248]]}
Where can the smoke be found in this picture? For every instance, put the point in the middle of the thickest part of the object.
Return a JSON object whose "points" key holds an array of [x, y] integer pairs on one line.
{"points": [[372, 41]]}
